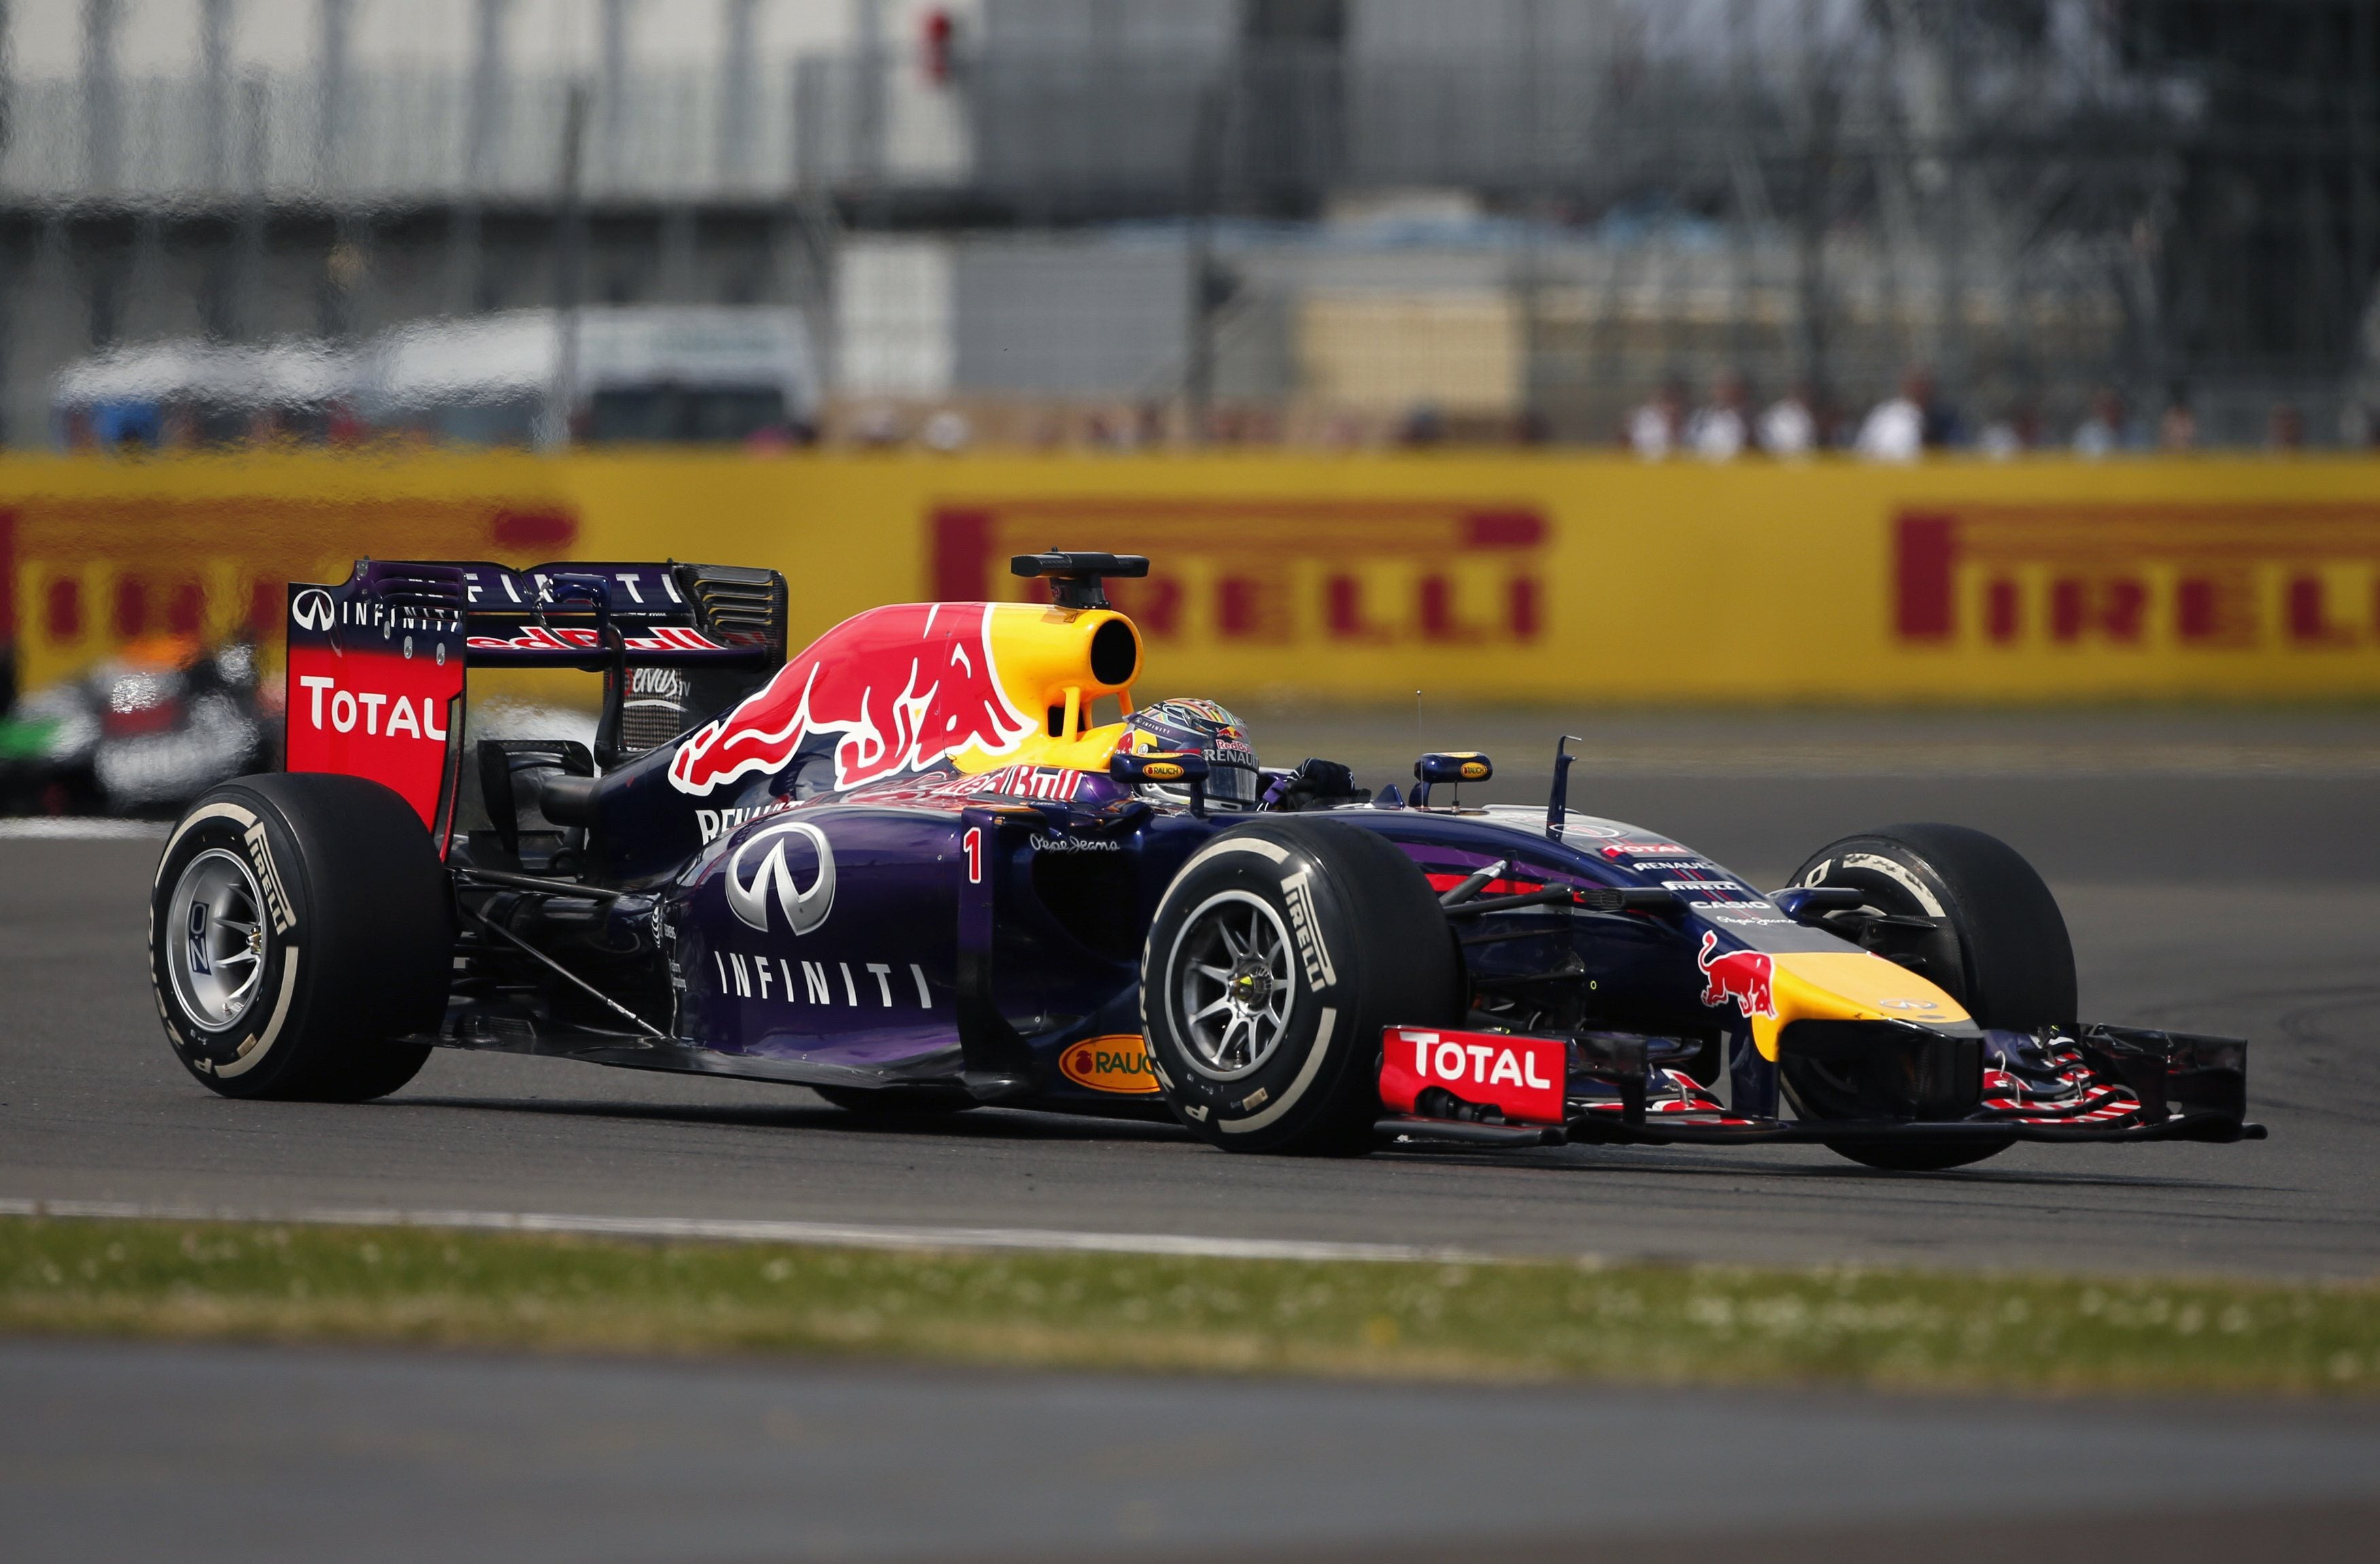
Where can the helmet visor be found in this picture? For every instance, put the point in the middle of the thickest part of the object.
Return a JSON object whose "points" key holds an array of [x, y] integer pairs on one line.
{"points": [[1230, 783]]}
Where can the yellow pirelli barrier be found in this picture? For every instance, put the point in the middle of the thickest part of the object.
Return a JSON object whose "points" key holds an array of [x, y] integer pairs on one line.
{"points": [[1494, 577]]}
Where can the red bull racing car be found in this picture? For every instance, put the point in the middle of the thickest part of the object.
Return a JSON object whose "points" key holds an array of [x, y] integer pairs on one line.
{"points": [[909, 867]]}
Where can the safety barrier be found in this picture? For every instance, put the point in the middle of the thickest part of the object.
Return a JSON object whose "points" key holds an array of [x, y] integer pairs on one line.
{"points": [[1491, 575]]}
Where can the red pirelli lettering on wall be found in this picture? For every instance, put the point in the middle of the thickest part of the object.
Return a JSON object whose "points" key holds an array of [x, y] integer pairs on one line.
{"points": [[1272, 573], [2211, 578]]}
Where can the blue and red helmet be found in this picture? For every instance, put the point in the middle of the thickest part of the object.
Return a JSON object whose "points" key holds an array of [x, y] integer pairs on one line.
{"points": [[1203, 728]]}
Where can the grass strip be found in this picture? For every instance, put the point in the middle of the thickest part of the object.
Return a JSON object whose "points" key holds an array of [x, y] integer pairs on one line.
{"points": [[1517, 1322]]}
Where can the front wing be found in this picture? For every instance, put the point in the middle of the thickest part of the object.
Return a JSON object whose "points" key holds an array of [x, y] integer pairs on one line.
{"points": [[2095, 1083]]}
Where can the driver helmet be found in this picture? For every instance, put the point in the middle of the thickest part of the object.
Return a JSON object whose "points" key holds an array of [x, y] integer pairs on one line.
{"points": [[1233, 780]]}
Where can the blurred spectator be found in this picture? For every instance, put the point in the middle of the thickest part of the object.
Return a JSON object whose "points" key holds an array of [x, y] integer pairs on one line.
{"points": [[2102, 435], [1423, 426], [2284, 430], [877, 425], [1717, 433], [1342, 432], [1789, 429], [2355, 427], [1225, 426], [946, 431], [1103, 434], [2011, 434], [1532, 428], [1653, 428], [1895, 428], [1944, 427], [2178, 428]]}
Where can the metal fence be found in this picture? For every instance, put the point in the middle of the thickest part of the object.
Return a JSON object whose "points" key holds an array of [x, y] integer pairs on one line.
{"points": [[2051, 205]]}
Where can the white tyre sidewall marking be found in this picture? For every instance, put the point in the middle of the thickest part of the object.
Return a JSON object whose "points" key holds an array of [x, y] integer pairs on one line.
{"points": [[1303, 1081], [1900, 873], [244, 818], [253, 1048], [1296, 1089]]}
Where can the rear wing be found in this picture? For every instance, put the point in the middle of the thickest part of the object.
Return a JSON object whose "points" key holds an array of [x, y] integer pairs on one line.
{"points": [[377, 664]]}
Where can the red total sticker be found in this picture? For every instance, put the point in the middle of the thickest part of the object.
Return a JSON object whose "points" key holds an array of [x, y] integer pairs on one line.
{"points": [[376, 713], [1524, 1077]]}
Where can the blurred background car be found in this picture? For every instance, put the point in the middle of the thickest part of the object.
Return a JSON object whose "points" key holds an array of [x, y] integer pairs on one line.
{"points": [[142, 733]]}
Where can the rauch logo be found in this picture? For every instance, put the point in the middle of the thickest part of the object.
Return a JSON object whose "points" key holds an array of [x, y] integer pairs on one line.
{"points": [[1119, 1063]]}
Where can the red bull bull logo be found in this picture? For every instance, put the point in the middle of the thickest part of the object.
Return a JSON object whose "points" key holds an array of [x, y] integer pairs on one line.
{"points": [[905, 686], [1741, 977]]}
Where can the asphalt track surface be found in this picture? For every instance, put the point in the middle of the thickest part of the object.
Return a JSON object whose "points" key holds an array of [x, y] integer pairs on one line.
{"points": [[198, 1454], [2219, 872], [2226, 878]]}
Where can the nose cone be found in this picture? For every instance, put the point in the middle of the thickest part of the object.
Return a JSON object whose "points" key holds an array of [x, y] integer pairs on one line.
{"points": [[1849, 986]]}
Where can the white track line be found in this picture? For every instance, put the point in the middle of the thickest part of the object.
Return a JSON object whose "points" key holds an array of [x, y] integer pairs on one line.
{"points": [[842, 1235], [81, 828]]}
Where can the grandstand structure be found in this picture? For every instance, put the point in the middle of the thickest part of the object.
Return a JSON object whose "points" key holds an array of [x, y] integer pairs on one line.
{"points": [[1243, 218]]}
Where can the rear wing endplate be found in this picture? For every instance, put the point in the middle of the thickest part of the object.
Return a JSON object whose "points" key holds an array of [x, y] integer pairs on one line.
{"points": [[376, 667]]}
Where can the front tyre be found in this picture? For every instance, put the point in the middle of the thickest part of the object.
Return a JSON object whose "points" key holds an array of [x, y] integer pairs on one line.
{"points": [[298, 925], [1277, 956], [1998, 946]]}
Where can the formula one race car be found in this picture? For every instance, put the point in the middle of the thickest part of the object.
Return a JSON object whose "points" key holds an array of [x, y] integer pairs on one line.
{"points": [[144, 731], [906, 868]]}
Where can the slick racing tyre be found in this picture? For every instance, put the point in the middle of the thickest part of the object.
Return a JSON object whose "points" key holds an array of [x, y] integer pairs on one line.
{"points": [[1277, 956], [1999, 947], [298, 925]]}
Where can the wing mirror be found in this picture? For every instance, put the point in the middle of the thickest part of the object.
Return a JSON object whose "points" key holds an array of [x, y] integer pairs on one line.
{"points": [[1811, 903], [1166, 766], [1456, 767]]}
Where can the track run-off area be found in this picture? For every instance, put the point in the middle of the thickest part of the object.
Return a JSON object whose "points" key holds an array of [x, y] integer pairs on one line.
{"points": [[2218, 872]]}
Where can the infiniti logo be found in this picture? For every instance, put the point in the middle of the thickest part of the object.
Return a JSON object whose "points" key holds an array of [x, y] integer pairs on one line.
{"points": [[312, 610], [804, 910]]}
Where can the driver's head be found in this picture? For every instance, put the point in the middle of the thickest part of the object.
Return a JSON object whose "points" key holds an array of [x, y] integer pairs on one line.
{"points": [[1206, 728]]}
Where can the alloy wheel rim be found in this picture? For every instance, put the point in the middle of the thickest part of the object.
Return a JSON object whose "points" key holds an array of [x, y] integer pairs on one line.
{"points": [[217, 940], [1234, 983]]}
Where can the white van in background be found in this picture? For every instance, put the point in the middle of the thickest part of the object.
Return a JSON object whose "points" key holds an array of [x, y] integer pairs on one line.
{"points": [[661, 374], [192, 392]]}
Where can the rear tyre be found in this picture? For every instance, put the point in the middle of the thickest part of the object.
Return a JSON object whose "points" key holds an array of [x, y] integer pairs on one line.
{"points": [[299, 926], [2000, 949], [1277, 956], [900, 1102]]}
